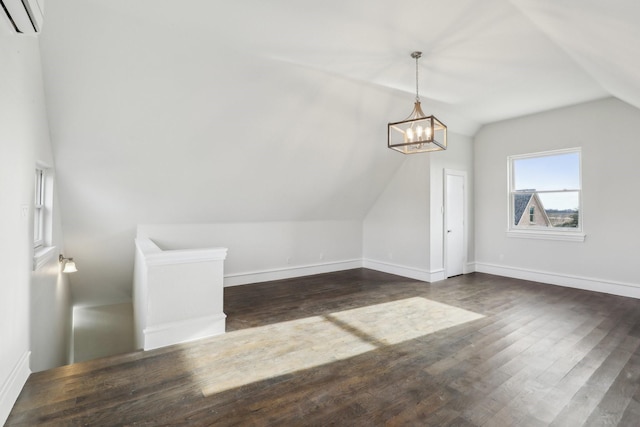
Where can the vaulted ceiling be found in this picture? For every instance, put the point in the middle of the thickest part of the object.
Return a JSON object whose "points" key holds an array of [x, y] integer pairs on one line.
{"points": [[212, 111]]}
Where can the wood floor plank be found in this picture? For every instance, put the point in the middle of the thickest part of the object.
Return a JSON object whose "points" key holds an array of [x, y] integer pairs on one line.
{"points": [[585, 401], [618, 396], [298, 352], [578, 366], [631, 414]]}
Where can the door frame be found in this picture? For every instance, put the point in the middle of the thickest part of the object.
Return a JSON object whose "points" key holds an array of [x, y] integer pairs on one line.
{"points": [[465, 219]]}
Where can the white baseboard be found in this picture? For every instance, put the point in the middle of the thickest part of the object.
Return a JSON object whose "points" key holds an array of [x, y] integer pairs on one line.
{"points": [[436, 275], [308, 270], [404, 271], [589, 284], [12, 386], [183, 331], [469, 267], [289, 272]]}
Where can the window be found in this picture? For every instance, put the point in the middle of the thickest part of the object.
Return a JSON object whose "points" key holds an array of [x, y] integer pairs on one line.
{"points": [[545, 199], [42, 217], [39, 209]]}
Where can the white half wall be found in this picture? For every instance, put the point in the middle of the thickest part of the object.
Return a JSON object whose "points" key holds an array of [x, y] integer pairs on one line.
{"points": [[264, 251], [178, 295], [607, 130]]}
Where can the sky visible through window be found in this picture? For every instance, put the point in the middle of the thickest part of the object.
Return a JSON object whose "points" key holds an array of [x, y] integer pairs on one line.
{"points": [[548, 173]]}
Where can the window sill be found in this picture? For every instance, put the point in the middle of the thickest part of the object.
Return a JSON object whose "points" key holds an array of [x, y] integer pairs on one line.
{"points": [[42, 255], [567, 236]]}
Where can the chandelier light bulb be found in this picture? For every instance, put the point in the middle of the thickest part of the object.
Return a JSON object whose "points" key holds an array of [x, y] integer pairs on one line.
{"points": [[410, 134]]}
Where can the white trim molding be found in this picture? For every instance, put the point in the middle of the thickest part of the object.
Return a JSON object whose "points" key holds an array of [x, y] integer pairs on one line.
{"points": [[12, 386], [156, 256], [186, 256], [42, 255], [570, 281], [183, 331], [236, 279], [469, 267], [568, 236], [404, 271]]}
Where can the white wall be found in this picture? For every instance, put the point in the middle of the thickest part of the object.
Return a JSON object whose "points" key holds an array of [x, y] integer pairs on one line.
{"points": [[51, 317], [102, 331], [182, 149], [50, 291], [24, 139], [269, 250], [396, 228], [607, 130], [458, 157], [402, 232]]}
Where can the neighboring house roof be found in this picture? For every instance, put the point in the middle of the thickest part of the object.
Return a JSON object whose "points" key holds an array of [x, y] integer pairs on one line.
{"points": [[520, 202]]}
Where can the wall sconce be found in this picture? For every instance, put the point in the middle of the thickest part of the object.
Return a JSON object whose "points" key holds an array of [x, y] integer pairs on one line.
{"points": [[68, 266]]}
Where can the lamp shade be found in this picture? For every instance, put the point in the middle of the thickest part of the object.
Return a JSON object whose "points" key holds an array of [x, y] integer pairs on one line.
{"points": [[69, 266]]}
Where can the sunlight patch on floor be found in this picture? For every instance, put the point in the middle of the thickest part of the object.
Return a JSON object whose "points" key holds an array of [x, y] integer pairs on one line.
{"points": [[398, 321], [251, 355]]}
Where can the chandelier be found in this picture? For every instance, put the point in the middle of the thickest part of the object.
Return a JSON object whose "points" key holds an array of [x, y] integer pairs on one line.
{"points": [[417, 133]]}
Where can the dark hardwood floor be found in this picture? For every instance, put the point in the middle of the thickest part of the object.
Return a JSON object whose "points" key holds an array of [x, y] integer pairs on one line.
{"points": [[362, 348]]}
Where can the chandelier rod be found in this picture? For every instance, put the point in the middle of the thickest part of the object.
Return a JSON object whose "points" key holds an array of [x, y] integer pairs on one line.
{"points": [[416, 55]]}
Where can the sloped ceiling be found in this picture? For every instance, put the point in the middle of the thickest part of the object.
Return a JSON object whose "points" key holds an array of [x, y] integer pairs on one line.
{"points": [[212, 111]]}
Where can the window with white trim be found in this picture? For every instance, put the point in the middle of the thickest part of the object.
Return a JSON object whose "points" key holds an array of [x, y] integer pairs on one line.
{"points": [[545, 195], [39, 208], [43, 249]]}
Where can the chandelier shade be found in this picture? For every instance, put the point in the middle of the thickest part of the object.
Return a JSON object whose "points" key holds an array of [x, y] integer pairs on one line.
{"points": [[418, 133]]}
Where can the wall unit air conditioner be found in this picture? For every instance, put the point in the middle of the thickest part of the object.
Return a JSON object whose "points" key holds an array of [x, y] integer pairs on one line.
{"points": [[25, 16]]}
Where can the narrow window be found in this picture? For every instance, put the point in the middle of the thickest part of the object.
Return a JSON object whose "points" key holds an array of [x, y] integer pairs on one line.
{"points": [[43, 249], [39, 209], [532, 214]]}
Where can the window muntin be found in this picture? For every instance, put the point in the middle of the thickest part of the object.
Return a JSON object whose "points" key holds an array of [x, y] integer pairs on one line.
{"points": [[551, 182]]}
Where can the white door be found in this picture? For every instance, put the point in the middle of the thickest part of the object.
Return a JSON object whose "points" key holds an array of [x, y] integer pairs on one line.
{"points": [[454, 238]]}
